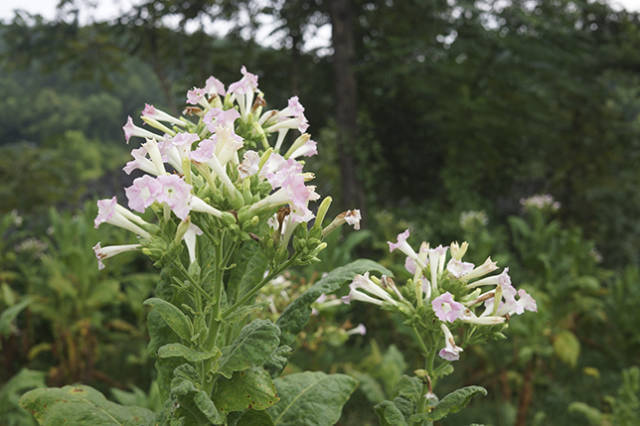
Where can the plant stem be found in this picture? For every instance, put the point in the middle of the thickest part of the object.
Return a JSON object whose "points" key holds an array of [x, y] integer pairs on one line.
{"points": [[257, 288]]}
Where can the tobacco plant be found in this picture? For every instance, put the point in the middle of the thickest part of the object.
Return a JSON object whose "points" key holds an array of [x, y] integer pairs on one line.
{"points": [[221, 209]]}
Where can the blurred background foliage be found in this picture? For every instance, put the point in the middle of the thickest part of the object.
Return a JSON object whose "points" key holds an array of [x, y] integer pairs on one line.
{"points": [[438, 115]]}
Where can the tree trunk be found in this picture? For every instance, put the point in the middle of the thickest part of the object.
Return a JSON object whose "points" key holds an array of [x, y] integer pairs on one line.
{"points": [[346, 110]]}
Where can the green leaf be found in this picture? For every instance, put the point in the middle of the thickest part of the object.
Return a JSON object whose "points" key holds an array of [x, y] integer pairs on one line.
{"points": [[296, 315], [249, 389], [592, 415], [250, 418], [389, 415], [179, 350], [311, 398], [278, 360], [409, 388], [253, 347], [567, 347], [249, 273], [81, 405], [369, 386], [9, 314], [172, 316], [451, 403], [192, 402]]}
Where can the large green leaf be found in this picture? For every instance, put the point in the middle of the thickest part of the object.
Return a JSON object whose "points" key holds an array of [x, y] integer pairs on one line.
{"points": [[451, 403], [172, 316], [296, 315], [81, 405], [253, 347], [311, 398], [249, 389], [389, 415]]}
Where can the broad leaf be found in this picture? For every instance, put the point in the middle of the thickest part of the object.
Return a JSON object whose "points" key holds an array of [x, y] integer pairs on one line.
{"points": [[451, 403], [389, 415], [253, 347], [296, 315], [172, 316], [81, 405], [249, 389], [311, 398], [179, 350], [192, 403]]}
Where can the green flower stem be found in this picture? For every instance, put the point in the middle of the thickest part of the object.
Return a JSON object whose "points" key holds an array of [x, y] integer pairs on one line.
{"points": [[250, 294], [189, 278]]}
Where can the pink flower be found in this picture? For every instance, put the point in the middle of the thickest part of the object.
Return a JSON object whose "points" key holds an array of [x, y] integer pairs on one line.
{"points": [[111, 212], [196, 96], [184, 140], [447, 309], [153, 113], [205, 151], [106, 210], [294, 107], [217, 117], [458, 268], [451, 351], [213, 85], [248, 83], [170, 154], [144, 192], [363, 282], [360, 329], [309, 149], [526, 302], [131, 130], [277, 170], [401, 241], [352, 217], [176, 193], [249, 165]]}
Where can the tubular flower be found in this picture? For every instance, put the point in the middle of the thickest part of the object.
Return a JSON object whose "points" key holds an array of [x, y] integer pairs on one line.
{"points": [[447, 309], [487, 267], [189, 239], [216, 117], [363, 289], [176, 193], [451, 351], [249, 165], [153, 113], [359, 329], [243, 91], [131, 130], [144, 192], [103, 253], [111, 212]]}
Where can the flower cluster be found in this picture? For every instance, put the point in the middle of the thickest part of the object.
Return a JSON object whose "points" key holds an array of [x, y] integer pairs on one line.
{"points": [[222, 165], [453, 292], [540, 201]]}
